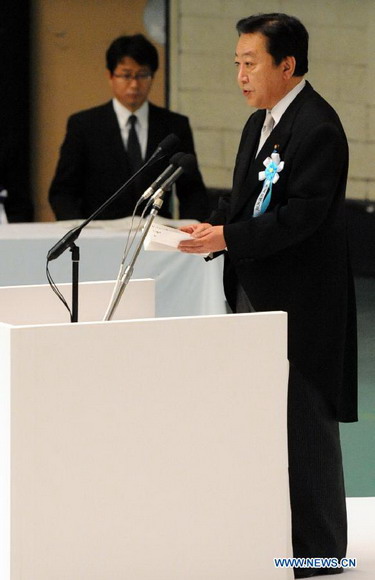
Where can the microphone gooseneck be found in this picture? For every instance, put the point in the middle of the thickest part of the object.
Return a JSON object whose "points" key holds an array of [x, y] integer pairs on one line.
{"points": [[166, 146], [185, 164]]}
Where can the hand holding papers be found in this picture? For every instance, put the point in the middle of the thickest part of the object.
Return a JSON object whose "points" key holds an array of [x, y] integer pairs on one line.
{"points": [[206, 239], [163, 238]]}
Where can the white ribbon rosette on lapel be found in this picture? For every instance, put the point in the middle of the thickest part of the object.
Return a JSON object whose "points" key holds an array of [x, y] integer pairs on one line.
{"points": [[270, 176]]}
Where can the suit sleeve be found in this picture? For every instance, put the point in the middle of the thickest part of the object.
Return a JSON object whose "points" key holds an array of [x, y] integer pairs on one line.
{"points": [[220, 214], [315, 177], [191, 191], [68, 182]]}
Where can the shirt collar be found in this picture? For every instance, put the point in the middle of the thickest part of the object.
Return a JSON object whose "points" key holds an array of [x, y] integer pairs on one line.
{"points": [[279, 109], [123, 113]]}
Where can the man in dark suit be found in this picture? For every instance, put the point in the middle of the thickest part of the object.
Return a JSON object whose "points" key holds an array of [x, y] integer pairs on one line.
{"points": [[96, 156], [285, 247]]}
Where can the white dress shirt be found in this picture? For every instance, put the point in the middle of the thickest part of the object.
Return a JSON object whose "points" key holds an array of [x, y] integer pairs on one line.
{"points": [[279, 109], [123, 114]]}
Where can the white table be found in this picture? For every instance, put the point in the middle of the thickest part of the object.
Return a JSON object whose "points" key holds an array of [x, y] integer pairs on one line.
{"points": [[185, 285]]}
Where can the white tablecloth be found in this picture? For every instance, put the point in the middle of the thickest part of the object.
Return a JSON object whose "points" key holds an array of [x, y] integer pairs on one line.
{"points": [[185, 285]]}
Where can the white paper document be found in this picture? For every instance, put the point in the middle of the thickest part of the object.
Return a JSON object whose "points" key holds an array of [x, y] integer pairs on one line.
{"points": [[161, 238]]}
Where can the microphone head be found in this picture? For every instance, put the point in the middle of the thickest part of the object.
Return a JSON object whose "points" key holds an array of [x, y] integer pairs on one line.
{"points": [[184, 163], [188, 163], [169, 144], [176, 158]]}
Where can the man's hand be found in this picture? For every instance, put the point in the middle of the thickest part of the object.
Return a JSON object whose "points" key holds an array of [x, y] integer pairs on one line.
{"points": [[206, 239]]}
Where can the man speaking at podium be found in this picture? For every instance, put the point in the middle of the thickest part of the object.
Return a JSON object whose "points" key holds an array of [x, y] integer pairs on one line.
{"points": [[104, 146], [283, 233]]}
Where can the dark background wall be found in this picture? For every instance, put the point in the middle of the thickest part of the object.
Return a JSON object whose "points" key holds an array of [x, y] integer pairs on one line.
{"points": [[15, 107], [15, 55]]}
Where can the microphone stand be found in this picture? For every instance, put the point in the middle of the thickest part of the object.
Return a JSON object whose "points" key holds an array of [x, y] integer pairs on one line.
{"points": [[68, 240], [186, 164], [128, 272], [75, 278]]}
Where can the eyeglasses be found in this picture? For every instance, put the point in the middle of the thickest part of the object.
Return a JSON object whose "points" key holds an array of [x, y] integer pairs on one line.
{"points": [[128, 76]]}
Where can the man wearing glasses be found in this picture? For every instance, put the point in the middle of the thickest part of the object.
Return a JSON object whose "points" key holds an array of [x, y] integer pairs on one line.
{"points": [[105, 145]]}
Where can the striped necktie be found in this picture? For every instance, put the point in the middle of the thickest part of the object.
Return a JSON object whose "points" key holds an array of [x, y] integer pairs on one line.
{"points": [[266, 130]]}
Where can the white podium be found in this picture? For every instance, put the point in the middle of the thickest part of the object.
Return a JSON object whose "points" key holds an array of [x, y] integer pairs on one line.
{"points": [[142, 449]]}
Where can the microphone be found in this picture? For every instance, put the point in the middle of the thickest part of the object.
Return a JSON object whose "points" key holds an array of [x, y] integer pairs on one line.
{"points": [[174, 163], [165, 147], [64, 243], [187, 164]]}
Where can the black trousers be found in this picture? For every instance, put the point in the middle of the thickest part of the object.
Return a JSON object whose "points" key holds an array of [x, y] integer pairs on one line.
{"points": [[316, 481], [317, 492]]}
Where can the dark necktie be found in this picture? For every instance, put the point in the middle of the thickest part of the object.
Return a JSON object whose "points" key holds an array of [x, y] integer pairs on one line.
{"points": [[133, 147]]}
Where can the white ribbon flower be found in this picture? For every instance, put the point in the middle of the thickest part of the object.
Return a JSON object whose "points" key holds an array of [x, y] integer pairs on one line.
{"points": [[270, 176]]}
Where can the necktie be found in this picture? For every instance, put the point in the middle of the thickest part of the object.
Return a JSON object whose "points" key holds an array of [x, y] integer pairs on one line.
{"points": [[133, 147], [266, 130]]}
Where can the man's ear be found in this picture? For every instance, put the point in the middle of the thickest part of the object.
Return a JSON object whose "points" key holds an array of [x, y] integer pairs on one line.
{"points": [[289, 66]]}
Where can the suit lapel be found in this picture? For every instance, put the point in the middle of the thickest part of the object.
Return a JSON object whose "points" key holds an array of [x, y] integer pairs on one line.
{"points": [[247, 184], [246, 151], [246, 172], [112, 134], [156, 130]]}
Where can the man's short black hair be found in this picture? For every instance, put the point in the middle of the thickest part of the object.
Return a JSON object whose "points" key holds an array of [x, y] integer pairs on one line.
{"points": [[136, 47], [286, 36]]}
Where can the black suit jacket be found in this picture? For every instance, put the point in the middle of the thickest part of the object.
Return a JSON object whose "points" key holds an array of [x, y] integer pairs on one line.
{"points": [[294, 257], [93, 164]]}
